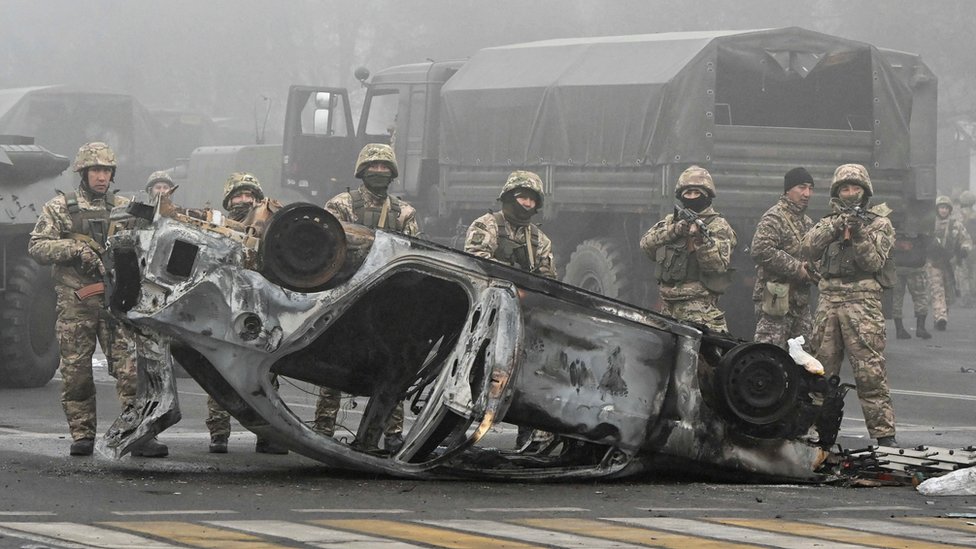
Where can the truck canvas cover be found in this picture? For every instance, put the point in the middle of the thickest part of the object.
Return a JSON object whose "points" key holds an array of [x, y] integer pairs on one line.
{"points": [[656, 98]]}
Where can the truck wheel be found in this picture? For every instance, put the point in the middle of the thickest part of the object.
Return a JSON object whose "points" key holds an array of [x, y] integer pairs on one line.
{"points": [[601, 266], [28, 345]]}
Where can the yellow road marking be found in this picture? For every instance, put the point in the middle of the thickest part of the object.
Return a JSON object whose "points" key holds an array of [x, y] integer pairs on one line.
{"points": [[196, 535]]}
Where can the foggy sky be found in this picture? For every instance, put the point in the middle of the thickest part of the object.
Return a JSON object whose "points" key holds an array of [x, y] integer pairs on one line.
{"points": [[234, 58]]}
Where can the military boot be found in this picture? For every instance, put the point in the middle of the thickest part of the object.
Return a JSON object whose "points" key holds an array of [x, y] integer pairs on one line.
{"points": [[900, 331], [940, 324], [82, 447], [920, 330], [218, 444]]}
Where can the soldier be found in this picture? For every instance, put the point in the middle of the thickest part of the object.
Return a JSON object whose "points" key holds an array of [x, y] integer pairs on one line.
{"points": [[693, 253], [967, 278], [70, 234], [242, 192], [950, 244], [909, 254], [853, 246], [370, 205], [783, 278], [510, 237], [158, 183]]}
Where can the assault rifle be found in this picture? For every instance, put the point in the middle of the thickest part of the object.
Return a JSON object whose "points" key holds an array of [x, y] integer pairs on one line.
{"points": [[691, 216], [854, 212]]}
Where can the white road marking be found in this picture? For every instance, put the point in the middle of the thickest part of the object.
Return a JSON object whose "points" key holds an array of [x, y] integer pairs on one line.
{"points": [[932, 394], [527, 534], [313, 535], [174, 512], [85, 535], [355, 511], [918, 531], [732, 533], [528, 510]]}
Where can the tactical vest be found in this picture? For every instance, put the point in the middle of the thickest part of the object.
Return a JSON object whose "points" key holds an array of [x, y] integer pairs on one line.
{"points": [[675, 264], [512, 251], [838, 261], [89, 226], [370, 216]]}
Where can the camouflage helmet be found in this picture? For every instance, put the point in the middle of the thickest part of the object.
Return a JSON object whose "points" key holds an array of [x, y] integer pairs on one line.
{"points": [[967, 199], [854, 174], [241, 181], [943, 200], [521, 179], [376, 152], [160, 176], [95, 153], [695, 177]]}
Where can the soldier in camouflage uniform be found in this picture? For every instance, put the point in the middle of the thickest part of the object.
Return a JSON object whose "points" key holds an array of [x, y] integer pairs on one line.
{"points": [[783, 277], [693, 268], [909, 253], [853, 246], [242, 192], [159, 182], [511, 238], [370, 205], [967, 268], [70, 234], [950, 244]]}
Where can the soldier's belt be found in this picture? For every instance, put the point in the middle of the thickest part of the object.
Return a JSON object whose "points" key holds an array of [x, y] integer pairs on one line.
{"points": [[92, 289]]}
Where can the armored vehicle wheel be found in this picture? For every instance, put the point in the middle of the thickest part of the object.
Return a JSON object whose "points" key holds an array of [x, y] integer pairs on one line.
{"points": [[28, 345], [601, 266]]}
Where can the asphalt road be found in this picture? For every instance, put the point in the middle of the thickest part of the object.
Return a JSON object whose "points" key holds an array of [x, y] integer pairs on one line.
{"points": [[196, 499]]}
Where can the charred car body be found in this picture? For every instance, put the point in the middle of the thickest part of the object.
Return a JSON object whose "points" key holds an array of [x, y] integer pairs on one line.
{"points": [[466, 342]]}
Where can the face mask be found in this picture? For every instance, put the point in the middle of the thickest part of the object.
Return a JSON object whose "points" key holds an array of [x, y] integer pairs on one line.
{"points": [[516, 213], [696, 204], [238, 212], [377, 183], [851, 201]]}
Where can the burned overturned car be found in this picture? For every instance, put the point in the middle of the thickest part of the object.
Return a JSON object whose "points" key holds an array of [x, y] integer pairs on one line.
{"points": [[468, 344]]}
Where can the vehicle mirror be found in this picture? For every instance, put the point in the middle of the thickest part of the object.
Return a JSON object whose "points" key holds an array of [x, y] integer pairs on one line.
{"points": [[323, 100], [320, 122]]}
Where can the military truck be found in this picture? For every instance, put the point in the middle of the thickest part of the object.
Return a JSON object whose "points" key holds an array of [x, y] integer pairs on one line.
{"points": [[28, 346], [610, 122]]}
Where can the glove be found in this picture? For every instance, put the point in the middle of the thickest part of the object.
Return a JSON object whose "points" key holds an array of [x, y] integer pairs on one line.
{"points": [[91, 263], [680, 228]]}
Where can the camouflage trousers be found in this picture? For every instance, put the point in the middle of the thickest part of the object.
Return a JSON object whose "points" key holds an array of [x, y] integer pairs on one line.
{"points": [[80, 323], [702, 310], [915, 281], [327, 410], [778, 329], [966, 279], [941, 291], [857, 328], [218, 419]]}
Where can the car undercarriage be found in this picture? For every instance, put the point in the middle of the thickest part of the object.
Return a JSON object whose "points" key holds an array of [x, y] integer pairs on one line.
{"points": [[467, 344]]}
